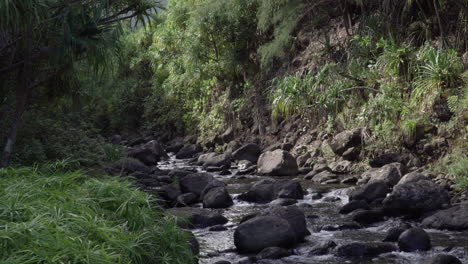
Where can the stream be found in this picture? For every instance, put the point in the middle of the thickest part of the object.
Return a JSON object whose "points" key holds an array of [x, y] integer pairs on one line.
{"points": [[216, 246]]}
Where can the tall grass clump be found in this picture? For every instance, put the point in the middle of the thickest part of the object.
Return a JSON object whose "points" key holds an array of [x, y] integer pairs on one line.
{"points": [[53, 215]]}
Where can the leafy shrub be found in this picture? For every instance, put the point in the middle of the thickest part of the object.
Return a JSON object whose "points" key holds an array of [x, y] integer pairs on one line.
{"points": [[51, 215]]}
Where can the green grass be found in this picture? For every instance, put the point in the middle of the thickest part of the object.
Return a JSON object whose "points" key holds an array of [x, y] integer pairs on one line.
{"points": [[50, 214], [459, 170]]}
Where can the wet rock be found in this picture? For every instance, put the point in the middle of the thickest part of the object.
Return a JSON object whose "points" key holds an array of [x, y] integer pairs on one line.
{"points": [[144, 155], [195, 182], [344, 226], [370, 191], [349, 180], [294, 216], [258, 233], [283, 202], [354, 205], [130, 165], [217, 197], [194, 245], [165, 179], [443, 259], [186, 199], [249, 152], [324, 176], [218, 228], [394, 233], [222, 262], [345, 140], [188, 217], [179, 174], [322, 249], [245, 260], [317, 196], [273, 253], [414, 198], [267, 190], [390, 174], [453, 218], [214, 159], [169, 192], [277, 163], [331, 199], [414, 239], [412, 177], [366, 217], [357, 249], [188, 151]]}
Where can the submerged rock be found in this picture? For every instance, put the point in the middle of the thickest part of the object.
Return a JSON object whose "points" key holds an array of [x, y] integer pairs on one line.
{"points": [[189, 217], [357, 249]]}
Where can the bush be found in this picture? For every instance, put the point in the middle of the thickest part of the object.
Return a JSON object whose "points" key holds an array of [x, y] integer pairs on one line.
{"points": [[52, 215]]}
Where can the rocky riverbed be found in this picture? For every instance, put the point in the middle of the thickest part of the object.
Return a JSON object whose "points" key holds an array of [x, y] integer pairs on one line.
{"points": [[258, 206]]}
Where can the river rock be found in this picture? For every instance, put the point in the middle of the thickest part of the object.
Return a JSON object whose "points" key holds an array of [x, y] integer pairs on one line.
{"points": [[195, 183], [370, 191], [179, 174], [412, 177], [322, 248], [189, 217], [294, 216], [414, 198], [453, 218], [345, 140], [258, 233], [357, 249], [394, 233], [277, 163], [186, 199], [354, 205], [188, 151], [249, 152], [324, 176], [366, 217], [217, 197], [273, 253], [169, 192], [283, 202], [443, 259], [144, 155], [414, 239], [267, 190], [390, 174], [131, 165], [214, 159]]}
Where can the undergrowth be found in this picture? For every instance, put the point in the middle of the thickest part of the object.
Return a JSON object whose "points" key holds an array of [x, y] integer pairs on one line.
{"points": [[55, 214]]}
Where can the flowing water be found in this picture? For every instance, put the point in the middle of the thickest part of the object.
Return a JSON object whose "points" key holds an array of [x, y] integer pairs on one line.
{"points": [[215, 246]]}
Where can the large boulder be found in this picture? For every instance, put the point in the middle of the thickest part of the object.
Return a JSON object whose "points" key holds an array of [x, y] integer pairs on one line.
{"points": [[414, 239], [354, 205], [277, 163], [249, 152], [453, 218], [268, 190], [389, 174], [157, 148], [214, 159], [370, 192], [294, 216], [195, 183], [217, 197], [258, 233], [189, 217], [188, 151], [415, 198], [144, 155], [345, 140]]}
